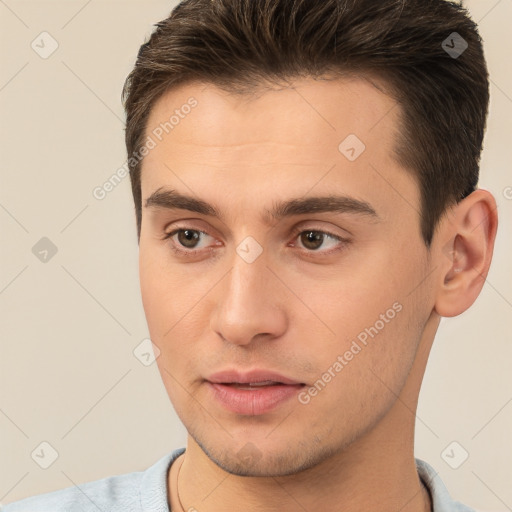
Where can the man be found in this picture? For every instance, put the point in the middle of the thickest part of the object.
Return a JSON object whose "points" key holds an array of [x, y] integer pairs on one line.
{"points": [[305, 185]]}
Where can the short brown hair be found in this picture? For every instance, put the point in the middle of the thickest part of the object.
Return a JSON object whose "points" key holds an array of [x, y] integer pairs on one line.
{"points": [[239, 44]]}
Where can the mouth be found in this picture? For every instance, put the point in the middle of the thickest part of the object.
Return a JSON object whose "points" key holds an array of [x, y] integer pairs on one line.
{"points": [[253, 378], [252, 393], [254, 385]]}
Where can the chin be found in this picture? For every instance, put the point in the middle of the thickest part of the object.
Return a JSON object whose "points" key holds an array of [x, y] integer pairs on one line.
{"points": [[250, 461]]}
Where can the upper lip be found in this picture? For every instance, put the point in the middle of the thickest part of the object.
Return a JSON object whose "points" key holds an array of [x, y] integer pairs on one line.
{"points": [[257, 375]]}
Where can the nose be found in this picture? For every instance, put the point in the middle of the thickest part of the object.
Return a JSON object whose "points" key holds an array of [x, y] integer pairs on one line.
{"points": [[250, 303]]}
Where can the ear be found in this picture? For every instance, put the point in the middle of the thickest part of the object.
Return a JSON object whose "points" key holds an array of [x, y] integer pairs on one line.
{"points": [[467, 236]]}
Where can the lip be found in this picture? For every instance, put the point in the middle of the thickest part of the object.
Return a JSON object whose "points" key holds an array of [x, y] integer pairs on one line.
{"points": [[252, 402], [257, 375]]}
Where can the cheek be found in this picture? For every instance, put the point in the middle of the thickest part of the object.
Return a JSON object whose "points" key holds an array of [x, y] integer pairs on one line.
{"points": [[352, 302], [374, 321], [361, 376], [153, 285], [174, 307], [160, 293]]}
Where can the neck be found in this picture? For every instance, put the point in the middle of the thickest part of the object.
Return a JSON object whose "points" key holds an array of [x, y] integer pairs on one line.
{"points": [[376, 472]]}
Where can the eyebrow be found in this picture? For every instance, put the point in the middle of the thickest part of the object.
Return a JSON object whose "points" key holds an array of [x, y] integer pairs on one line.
{"points": [[174, 200]]}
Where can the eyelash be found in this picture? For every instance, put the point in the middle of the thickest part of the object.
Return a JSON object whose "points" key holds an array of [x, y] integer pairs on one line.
{"points": [[296, 232]]}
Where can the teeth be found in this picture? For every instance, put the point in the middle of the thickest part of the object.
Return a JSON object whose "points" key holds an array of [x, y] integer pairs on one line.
{"points": [[250, 385]]}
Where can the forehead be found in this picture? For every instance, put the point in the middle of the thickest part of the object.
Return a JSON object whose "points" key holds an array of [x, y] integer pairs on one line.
{"points": [[316, 133], [309, 111]]}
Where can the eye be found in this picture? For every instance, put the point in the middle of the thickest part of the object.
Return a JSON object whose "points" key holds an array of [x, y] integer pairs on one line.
{"points": [[186, 242], [314, 239], [186, 238]]}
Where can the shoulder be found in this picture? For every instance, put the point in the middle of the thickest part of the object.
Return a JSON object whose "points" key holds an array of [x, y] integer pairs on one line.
{"points": [[105, 494], [129, 492], [441, 499]]}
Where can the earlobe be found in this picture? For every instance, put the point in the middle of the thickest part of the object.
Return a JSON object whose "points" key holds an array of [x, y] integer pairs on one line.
{"points": [[465, 256]]}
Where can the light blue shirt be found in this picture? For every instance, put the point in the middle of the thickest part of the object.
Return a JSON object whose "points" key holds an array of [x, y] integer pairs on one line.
{"points": [[146, 491]]}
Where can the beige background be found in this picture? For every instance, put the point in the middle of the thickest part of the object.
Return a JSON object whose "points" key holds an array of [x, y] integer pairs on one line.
{"points": [[68, 375]]}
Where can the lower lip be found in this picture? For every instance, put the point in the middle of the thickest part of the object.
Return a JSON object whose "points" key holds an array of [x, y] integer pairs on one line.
{"points": [[253, 401]]}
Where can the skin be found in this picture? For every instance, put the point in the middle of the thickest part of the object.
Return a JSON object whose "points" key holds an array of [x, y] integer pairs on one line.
{"points": [[294, 310]]}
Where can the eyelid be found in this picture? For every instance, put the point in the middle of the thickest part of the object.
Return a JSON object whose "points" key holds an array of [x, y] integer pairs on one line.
{"points": [[301, 229]]}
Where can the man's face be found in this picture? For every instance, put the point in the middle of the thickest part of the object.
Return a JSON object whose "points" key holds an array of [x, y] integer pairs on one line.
{"points": [[339, 317]]}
